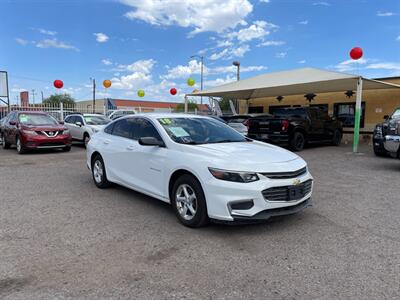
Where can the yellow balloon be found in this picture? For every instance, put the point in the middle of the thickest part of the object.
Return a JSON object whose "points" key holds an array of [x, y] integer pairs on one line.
{"points": [[140, 93], [107, 83], [191, 82]]}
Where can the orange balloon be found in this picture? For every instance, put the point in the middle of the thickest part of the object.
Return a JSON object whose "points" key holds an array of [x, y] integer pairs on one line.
{"points": [[107, 83]]}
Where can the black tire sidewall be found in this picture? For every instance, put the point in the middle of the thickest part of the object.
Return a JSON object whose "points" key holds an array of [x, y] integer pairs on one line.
{"points": [[337, 138], [22, 149], [293, 144], [104, 182], [201, 216]]}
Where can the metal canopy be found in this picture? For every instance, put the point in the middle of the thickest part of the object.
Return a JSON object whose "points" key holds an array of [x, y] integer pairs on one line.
{"points": [[293, 82]]}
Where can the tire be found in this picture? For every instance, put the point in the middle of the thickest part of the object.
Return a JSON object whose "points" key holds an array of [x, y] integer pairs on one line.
{"points": [[4, 144], [297, 142], [380, 153], [86, 139], [20, 147], [66, 149], [190, 211], [99, 172], [337, 138]]}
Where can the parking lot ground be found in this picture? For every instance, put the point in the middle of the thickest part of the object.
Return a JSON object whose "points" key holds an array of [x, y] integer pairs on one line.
{"points": [[61, 237]]}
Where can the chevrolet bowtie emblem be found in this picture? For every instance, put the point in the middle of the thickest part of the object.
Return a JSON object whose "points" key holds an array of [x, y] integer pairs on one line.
{"points": [[296, 182]]}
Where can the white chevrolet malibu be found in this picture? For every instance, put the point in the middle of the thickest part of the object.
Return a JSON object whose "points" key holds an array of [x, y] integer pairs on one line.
{"points": [[202, 167]]}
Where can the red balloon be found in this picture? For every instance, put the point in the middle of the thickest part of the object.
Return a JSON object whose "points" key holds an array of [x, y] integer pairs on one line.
{"points": [[173, 91], [58, 84], [356, 53]]}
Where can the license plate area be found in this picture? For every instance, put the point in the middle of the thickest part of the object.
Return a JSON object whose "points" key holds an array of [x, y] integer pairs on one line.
{"points": [[295, 193], [264, 136]]}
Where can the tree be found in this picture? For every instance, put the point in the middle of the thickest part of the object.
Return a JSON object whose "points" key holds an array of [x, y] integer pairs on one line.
{"points": [[224, 104], [56, 99], [191, 106]]}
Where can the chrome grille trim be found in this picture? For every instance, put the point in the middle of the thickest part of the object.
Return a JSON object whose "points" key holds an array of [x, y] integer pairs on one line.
{"points": [[285, 175], [281, 193]]}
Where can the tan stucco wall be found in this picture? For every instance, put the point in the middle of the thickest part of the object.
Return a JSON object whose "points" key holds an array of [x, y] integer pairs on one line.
{"points": [[377, 103]]}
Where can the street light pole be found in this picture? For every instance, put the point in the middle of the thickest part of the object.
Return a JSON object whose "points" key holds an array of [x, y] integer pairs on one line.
{"points": [[236, 63], [201, 74]]}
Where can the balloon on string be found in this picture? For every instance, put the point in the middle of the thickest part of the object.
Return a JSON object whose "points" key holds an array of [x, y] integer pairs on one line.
{"points": [[191, 82], [58, 84], [173, 91], [107, 83], [356, 53], [140, 93]]}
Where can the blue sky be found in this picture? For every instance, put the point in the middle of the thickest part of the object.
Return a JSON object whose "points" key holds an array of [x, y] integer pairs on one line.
{"points": [[147, 44]]}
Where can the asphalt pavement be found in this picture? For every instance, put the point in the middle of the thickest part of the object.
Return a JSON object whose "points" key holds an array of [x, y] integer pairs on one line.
{"points": [[61, 237]]}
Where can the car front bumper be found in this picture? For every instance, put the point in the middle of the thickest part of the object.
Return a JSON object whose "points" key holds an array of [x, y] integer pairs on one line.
{"points": [[392, 143], [223, 195], [42, 142]]}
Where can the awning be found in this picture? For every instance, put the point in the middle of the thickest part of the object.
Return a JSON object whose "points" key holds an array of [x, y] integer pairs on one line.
{"points": [[293, 82]]}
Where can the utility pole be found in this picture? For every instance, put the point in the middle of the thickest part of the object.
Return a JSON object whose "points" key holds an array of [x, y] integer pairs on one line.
{"points": [[94, 93], [202, 74], [237, 65], [17, 97], [42, 96], [33, 97]]}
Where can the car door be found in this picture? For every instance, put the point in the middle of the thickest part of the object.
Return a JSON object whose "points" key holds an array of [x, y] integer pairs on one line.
{"points": [[316, 126], [80, 129], [73, 128], [150, 161], [12, 130]]}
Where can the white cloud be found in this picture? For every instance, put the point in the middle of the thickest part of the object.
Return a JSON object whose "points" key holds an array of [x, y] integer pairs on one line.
{"points": [[302, 61], [139, 77], [101, 37], [231, 52], [47, 32], [305, 22], [239, 52], [265, 1], [22, 41], [350, 64], [384, 66], [281, 54], [142, 66], [180, 71], [54, 43], [218, 55], [322, 3], [258, 30], [220, 81], [106, 62], [398, 38], [385, 14], [271, 43], [201, 16]]}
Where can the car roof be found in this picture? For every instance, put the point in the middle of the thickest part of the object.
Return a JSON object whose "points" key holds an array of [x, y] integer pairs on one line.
{"points": [[165, 115], [26, 112]]}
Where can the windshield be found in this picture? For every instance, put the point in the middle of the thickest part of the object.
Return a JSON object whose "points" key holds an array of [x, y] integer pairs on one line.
{"points": [[36, 119], [284, 113], [96, 120], [396, 114], [199, 131]]}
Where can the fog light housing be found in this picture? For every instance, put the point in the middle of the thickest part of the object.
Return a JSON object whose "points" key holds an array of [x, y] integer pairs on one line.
{"points": [[241, 205]]}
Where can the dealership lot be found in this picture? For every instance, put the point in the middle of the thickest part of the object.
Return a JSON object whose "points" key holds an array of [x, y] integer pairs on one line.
{"points": [[61, 237]]}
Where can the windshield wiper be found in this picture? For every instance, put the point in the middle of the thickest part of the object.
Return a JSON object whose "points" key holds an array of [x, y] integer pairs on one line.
{"points": [[226, 141]]}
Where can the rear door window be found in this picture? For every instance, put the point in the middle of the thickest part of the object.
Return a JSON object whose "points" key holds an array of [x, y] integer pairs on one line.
{"points": [[145, 129], [125, 128]]}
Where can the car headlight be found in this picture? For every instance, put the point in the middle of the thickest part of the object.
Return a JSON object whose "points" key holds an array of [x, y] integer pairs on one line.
{"points": [[233, 176], [29, 132], [66, 131], [378, 132]]}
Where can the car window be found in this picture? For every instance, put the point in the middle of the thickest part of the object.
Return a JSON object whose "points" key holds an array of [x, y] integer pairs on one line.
{"points": [[109, 128], [396, 114], [96, 120], [68, 119], [145, 129], [124, 128], [36, 119], [79, 119]]}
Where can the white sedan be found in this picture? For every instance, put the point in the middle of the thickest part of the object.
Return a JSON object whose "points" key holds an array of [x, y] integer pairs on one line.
{"points": [[202, 167]]}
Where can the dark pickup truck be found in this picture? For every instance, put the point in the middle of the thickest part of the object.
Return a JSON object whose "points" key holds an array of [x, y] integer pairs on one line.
{"points": [[296, 127], [387, 136]]}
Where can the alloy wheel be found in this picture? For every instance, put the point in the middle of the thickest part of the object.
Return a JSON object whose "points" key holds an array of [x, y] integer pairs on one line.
{"points": [[186, 201], [98, 171], [19, 146]]}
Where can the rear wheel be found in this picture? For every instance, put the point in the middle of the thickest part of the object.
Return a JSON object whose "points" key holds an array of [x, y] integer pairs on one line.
{"points": [[337, 138], [297, 142], [20, 147], [4, 143], [189, 202], [86, 139], [99, 172]]}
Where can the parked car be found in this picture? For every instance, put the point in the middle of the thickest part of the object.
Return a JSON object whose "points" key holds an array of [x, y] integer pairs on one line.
{"points": [[120, 113], [34, 130], [238, 126], [387, 136], [296, 127], [243, 118], [83, 126], [202, 167]]}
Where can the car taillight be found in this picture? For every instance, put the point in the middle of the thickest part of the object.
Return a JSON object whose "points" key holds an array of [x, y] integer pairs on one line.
{"points": [[285, 125], [247, 123]]}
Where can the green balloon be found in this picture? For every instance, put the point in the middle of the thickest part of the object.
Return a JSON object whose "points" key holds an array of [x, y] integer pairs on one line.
{"points": [[191, 82], [140, 93]]}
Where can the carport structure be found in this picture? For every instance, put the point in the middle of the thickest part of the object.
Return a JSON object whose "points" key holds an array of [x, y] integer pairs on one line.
{"points": [[296, 82]]}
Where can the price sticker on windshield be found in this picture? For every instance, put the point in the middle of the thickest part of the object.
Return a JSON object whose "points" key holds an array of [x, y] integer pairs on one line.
{"points": [[166, 121], [23, 118], [179, 131]]}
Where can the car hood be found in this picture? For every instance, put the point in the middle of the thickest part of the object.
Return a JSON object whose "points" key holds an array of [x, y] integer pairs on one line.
{"points": [[44, 127], [249, 156], [97, 127]]}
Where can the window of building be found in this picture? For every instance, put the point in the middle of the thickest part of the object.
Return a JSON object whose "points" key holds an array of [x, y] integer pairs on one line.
{"points": [[256, 109], [323, 107], [345, 112], [272, 109]]}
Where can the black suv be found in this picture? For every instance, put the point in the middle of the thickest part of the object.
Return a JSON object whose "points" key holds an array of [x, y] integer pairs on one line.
{"points": [[387, 136]]}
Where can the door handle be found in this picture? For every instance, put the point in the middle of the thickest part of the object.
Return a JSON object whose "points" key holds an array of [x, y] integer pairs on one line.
{"points": [[130, 147], [106, 142]]}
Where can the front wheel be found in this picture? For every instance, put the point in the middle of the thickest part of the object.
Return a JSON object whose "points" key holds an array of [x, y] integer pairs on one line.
{"points": [[20, 147], [189, 202], [337, 138], [4, 143], [99, 173], [297, 142]]}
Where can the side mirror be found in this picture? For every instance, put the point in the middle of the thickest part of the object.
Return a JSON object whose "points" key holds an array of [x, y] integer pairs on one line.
{"points": [[385, 117], [78, 124], [12, 123], [150, 141], [61, 122]]}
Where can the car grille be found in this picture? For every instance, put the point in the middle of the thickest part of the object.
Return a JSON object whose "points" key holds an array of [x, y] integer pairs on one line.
{"points": [[285, 175], [50, 133], [288, 193]]}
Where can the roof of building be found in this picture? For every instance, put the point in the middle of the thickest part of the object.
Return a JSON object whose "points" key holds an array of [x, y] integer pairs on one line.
{"points": [[150, 104]]}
